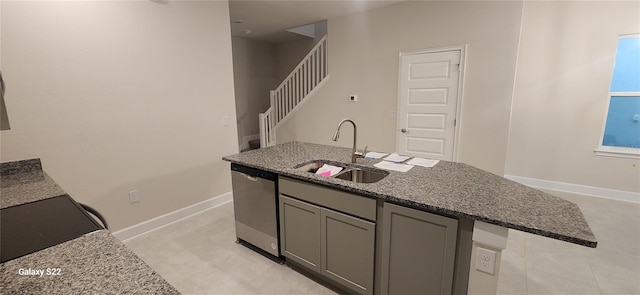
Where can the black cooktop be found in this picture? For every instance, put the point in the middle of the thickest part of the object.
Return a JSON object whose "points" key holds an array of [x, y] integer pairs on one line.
{"points": [[31, 227]]}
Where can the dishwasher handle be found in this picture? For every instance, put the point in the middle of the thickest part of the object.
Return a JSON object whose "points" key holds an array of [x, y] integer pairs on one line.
{"points": [[253, 174]]}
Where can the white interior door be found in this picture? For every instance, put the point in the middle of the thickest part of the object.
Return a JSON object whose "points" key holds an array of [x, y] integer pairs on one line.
{"points": [[428, 85]]}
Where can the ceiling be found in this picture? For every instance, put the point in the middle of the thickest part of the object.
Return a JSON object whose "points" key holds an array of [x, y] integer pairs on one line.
{"points": [[268, 19]]}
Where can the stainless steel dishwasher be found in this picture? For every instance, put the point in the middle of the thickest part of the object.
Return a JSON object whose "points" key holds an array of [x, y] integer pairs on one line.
{"points": [[255, 202]]}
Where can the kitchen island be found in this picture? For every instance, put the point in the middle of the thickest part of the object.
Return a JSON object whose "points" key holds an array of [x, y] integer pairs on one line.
{"points": [[475, 204], [94, 263]]}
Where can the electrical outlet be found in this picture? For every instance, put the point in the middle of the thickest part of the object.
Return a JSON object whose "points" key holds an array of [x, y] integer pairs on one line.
{"points": [[225, 120], [486, 260], [133, 197]]}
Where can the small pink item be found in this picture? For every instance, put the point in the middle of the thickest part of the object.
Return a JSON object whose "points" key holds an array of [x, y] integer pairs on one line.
{"points": [[326, 173]]}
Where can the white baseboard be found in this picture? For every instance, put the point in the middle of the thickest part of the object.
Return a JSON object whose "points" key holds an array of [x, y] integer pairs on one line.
{"points": [[171, 217], [245, 140], [593, 191]]}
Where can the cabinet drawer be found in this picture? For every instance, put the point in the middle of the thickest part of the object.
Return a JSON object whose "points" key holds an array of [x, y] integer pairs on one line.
{"points": [[362, 207]]}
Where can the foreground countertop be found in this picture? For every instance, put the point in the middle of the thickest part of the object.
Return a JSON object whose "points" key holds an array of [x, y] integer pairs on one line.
{"points": [[449, 188], [95, 263]]}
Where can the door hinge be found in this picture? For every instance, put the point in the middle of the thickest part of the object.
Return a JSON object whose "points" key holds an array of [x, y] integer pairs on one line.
{"points": [[455, 121]]}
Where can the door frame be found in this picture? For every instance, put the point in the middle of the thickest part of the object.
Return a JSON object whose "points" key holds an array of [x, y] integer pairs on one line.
{"points": [[463, 55]]}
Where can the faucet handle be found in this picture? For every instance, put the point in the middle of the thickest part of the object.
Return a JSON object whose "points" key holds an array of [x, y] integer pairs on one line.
{"points": [[363, 153]]}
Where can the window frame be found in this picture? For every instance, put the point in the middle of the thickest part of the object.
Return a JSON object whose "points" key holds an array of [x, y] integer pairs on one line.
{"points": [[613, 151]]}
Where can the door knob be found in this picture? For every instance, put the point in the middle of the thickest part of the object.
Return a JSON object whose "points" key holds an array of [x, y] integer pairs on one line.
{"points": [[404, 130]]}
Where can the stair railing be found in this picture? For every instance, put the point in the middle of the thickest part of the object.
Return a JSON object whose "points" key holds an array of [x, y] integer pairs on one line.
{"points": [[287, 98]]}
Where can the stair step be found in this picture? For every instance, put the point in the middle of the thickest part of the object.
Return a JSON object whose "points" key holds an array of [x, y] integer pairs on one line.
{"points": [[254, 144]]}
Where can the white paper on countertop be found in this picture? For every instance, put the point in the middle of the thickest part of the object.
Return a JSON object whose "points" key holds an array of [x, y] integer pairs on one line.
{"points": [[423, 162], [375, 155], [396, 158], [333, 170], [393, 166]]}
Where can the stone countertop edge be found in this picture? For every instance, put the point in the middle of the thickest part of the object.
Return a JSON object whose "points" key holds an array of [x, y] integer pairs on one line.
{"points": [[24, 182], [449, 188], [96, 263]]}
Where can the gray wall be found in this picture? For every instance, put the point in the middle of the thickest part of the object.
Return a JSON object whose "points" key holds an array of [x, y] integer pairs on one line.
{"points": [[116, 96], [255, 73]]}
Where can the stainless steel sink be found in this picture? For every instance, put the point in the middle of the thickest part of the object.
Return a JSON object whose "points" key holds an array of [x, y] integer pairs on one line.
{"points": [[350, 173], [362, 175], [313, 166]]}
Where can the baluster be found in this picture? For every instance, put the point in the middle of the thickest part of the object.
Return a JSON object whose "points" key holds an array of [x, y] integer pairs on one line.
{"points": [[301, 85], [285, 110], [305, 75], [326, 59], [313, 70], [298, 89], [295, 89], [321, 52], [288, 96], [318, 77], [289, 84], [299, 95], [321, 64], [280, 94]]}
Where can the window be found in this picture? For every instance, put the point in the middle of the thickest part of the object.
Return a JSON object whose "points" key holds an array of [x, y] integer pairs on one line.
{"points": [[621, 132]]}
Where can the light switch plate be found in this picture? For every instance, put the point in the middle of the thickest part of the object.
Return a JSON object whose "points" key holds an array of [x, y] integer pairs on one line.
{"points": [[134, 197]]}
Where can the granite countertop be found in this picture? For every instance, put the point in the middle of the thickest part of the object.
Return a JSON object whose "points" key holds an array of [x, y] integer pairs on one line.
{"points": [[449, 188], [25, 184], [95, 263]]}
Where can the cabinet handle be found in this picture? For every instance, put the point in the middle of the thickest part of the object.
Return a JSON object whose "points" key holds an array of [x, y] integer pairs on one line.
{"points": [[404, 130], [252, 178]]}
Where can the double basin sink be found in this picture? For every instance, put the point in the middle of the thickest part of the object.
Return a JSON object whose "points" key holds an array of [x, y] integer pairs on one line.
{"points": [[349, 172]]}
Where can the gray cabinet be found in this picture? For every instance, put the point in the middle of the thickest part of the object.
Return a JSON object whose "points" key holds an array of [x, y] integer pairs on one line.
{"points": [[300, 232], [347, 250], [418, 251], [337, 242]]}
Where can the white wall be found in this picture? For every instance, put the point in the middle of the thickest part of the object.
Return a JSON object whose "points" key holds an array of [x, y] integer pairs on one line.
{"points": [[363, 60], [564, 70], [255, 71], [115, 96]]}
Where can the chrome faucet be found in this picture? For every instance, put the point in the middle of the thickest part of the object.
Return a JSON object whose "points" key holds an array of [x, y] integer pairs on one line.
{"points": [[354, 153]]}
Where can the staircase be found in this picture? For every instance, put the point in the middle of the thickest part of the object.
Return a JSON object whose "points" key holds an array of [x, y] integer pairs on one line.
{"points": [[307, 77]]}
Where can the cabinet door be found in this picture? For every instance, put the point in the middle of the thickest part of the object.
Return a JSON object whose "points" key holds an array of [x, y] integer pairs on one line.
{"points": [[300, 232], [347, 250], [418, 251]]}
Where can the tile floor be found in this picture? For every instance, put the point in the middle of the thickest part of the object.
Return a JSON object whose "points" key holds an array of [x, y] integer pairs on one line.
{"points": [[198, 255]]}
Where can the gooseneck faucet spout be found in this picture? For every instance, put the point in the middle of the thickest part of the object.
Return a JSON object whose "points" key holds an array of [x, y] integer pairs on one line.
{"points": [[336, 135]]}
